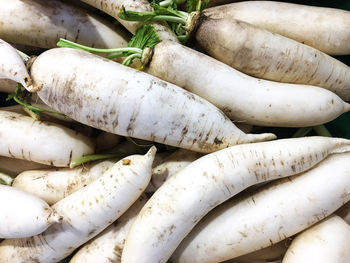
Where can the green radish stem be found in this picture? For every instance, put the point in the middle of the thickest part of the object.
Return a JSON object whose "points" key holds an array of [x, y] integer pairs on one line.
{"points": [[5, 179], [322, 131], [18, 97], [94, 157]]}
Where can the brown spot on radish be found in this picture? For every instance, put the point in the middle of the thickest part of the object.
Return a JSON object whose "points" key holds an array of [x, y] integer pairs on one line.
{"points": [[293, 168], [126, 161], [217, 141]]}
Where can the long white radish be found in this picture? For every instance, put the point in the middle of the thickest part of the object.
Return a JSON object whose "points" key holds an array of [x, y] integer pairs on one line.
{"points": [[12, 65], [48, 143], [266, 55], [113, 8], [34, 218], [86, 213], [127, 102], [177, 206], [241, 97], [327, 241], [41, 23], [275, 212], [107, 247], [326, 29], [53, 185]]}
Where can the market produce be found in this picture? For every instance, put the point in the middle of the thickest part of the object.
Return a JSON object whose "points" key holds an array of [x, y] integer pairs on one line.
{"points": [[85, 213], [125, 101], [325, 29], [177, 206], [12, 66], [113, 8], [48, 143], [241, 226], [36, 215], [41, 23], [327, 241]]}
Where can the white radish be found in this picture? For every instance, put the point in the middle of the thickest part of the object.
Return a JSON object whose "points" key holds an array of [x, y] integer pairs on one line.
{"points": [[107, 247], [127, 102], [86, 213], [53, 185], [48, 143], [275, 212], [13, 167], [326, 29], [34, 218], [327, 241], [176, 207], [12, 65], [241, 97], [113, 8], [41, 23], [266, 55]]}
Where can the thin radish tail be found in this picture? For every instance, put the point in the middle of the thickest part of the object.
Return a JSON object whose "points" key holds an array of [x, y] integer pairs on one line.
{"points": [[341, 146], [251, 138], [346, 107]]}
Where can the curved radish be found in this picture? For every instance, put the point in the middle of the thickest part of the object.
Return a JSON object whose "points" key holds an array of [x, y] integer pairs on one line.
{"points": [[113, 8], [326, 29], [266, 55], [107, 247], [43, 142], [53, 185], [41, 23], [132, 103], [12, 66], [85, 213], [327, 241], [36, 215], [241, 97], [186, 197], [293, 204]]}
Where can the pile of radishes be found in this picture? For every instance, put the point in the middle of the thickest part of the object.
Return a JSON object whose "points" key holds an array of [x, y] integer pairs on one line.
{"points": [[155, 157]]}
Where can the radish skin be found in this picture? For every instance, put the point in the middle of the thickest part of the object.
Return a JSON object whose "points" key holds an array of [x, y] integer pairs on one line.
{"points": [[176, 207], [43, 142], [241, 97], [113, 8], [292, 206], [41, 23], [36, 215], [12, 66], [107, 247], [263, 54], [53, 185], [326, 29], [327, 241], [85, 213], [132, 103]]}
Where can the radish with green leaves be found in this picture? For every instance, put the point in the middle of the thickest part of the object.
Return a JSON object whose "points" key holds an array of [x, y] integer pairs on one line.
{"points": [[127, 102], [178, 205], [113, 8], [240, 97], [326, 29], [293, 204], [256, 51], [36, 215], [327, 241], [86, 213], [48, 143], [12, 65], [41, 23]]}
